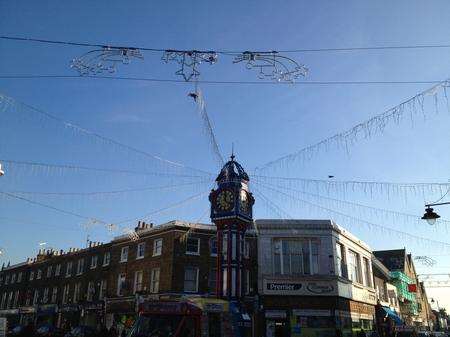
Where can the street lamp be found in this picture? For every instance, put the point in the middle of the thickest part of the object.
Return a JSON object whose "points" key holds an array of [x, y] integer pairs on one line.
{"points": [[430, 216], [1, 170]]}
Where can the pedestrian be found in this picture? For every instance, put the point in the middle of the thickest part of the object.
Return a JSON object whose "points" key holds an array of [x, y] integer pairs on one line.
{"points": [[113, 332], [338, 333], [124, 333]]}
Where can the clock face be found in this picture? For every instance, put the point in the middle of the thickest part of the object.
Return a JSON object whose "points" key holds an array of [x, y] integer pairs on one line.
{"points": [[225, 201], [244, 204]]}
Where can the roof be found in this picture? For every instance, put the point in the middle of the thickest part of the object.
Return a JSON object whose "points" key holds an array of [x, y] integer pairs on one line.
{"points": [[379, 269], [232, 170], [392, 259]]}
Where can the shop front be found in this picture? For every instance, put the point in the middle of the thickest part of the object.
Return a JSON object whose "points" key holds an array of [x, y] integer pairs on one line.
{"points": [[12, 316], [69, 316], [93, 314], [47, 314], [314, 308], [120, 313], [27, 315]]}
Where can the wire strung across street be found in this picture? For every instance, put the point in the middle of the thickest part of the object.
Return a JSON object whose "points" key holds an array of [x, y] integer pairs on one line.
{"points": [[162, 80], [303, 50]]}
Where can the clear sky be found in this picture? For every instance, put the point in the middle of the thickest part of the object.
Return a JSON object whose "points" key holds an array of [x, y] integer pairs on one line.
{"points": [[263, 121]]}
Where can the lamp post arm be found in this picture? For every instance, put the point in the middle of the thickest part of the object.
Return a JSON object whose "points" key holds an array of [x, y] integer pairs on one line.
{"points": [[438, 204]]}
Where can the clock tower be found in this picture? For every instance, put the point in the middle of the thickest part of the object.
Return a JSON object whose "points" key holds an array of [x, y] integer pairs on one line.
{"points": [[231, 212]]}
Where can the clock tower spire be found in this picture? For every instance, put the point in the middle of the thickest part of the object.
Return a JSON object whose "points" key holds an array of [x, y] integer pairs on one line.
{"points": [[231, 212]]}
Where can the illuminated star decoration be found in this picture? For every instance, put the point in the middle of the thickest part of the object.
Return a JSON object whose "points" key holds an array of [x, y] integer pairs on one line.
{"points": [[272, 65], [106, 59], [189, 60]]}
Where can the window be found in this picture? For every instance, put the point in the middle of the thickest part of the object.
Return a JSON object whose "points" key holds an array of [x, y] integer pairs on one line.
{"points": [[106, 259], [80, 267], [6, 280], [295, 256], [103, 287], [124, 254], [31, 276], [69, 269], [94, 260], [49, 271], [19, 277], [140, 252], [36, 297], [246, 249], [39, 274], [10, 299], [191, 279], [45, 297], [154, 280], [138, 276], [16, 299], [3, 301], [76, 292], [13, 278], [246, 282], [366, 273], [121, 284], [54, 294], [66, 290], [58, 270], [90, 291], [212, 281], [224, 246], [340, 261], [157, 247], [354, 270], [213, 246], [193, 246]]}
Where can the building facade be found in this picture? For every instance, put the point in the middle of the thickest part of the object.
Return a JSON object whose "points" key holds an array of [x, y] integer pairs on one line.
{"points": [[104, 283], [313, 278]]}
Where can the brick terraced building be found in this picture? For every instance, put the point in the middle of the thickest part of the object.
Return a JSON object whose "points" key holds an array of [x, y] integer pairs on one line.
{"points": [[105, 282]]}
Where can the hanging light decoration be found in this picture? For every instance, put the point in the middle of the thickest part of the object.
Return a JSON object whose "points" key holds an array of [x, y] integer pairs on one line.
{"points": [[104, 60], [425, 260], [189, 61], [272, 65]]}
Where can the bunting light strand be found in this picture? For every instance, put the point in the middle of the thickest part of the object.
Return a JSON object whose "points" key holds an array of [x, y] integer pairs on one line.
{"points": [[64, 167], [207, 126], [6, 103], [370, 188], [349, 219], [161, 210], [113, 192], [373, 211], [366, 129]]}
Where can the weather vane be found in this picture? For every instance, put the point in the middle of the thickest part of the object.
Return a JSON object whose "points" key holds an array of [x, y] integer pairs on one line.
{"points": [[189, 61], [272, 65], [104, 60]]}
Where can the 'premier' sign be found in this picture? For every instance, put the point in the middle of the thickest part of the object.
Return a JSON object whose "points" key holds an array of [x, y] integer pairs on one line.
{"points": [[283, 286]]}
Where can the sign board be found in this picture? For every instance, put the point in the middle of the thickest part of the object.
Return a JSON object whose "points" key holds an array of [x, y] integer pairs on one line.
{"points": [[275, 314], [311, 312], [300, 288], [3, 326]]}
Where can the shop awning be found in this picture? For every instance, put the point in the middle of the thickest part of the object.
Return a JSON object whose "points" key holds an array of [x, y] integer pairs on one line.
{"points": [[393, 315]]}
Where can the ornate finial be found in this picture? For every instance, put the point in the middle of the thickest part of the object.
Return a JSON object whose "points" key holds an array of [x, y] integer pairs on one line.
{"points": [[232, 152]]}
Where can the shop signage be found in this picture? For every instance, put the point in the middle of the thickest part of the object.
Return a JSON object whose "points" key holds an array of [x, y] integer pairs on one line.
{"points": [[283, 286], [311, 312], [320, 288], [94, 306], [47, 309], [9, 312], [213, 307], [27, 310], [303, 288], [69, 308], [275, 314]]}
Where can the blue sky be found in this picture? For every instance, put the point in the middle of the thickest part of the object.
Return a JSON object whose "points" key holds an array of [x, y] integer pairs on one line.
{"points": [[264, 122]]}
